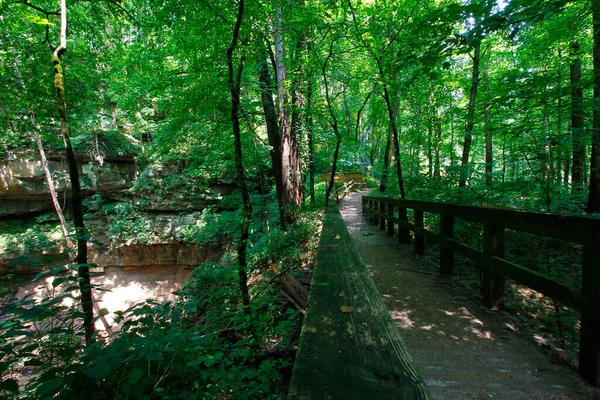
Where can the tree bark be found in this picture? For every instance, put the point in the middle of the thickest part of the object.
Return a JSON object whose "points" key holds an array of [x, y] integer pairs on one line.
{"points": [[577, 130], [470, 115], [593, 205], [297, 117], [437, 129], [387, 160], [234, 82], [489, 155], [290, 203], [53, 195], [311, 147], [270, 113], [76, 203]]}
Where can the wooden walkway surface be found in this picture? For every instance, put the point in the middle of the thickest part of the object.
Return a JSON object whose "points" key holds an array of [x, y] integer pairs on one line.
{"points": [[462, 349], [349, 347]]}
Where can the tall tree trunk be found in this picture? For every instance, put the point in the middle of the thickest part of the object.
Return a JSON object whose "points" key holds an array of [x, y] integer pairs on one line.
{"points": [[430, 145], [311, 147], [76, 203], [285, 129], [387, 160], [470, 115], [489, 157], [234, 82], [266, 95], [437, 129], [577, 130], [297, 117], [559, 122]]}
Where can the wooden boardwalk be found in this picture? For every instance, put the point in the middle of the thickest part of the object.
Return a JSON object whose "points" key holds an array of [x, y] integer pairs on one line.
{"points": [[462, 350], [349, 347]]}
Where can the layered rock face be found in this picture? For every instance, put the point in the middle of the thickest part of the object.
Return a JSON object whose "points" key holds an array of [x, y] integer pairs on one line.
{"points": [[23, 187]]}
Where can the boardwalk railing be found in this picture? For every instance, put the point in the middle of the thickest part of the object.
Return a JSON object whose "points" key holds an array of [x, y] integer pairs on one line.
{"points": [[342, 177], [495, 267], [341, 192]]}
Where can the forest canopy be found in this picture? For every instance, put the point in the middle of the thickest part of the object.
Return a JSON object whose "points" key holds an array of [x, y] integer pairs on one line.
{"points": [[484, 102]]}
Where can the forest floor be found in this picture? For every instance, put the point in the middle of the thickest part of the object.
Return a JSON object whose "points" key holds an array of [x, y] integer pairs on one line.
{"points": [[462, 349]]}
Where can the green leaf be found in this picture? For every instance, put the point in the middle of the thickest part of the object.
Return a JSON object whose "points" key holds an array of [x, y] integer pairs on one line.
{"points": [[135, 376], [38, 20], [100, 370]]}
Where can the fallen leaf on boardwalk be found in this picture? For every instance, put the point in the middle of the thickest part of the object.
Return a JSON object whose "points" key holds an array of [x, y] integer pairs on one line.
{"points": [[337, 236], [367, 233], [346, 309], [395, 287], [508, 375]]}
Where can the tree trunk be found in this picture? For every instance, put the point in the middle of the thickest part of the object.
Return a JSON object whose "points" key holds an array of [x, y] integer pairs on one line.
{"points": [[489, 160], [470, 115], [296, 128], [311, 147], [270, 113], [593, 205], [285, 129], [437, 129], [577, 130], [53, 195], [430, 146], [234, 82], [386, 162], [76, 203]]}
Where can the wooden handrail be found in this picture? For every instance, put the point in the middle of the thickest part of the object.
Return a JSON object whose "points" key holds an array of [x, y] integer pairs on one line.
{"points": [[344, 189], [577, 229]]}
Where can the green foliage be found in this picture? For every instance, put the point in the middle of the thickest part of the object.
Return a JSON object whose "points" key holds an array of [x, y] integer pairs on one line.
{"points": [[30, 236], [109, 143]]}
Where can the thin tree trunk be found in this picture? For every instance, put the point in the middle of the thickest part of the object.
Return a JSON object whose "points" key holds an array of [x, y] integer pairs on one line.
{"points": [[429, 146], [234, 89], [489, 159], [76, 203], [53, 195], [577, 130], [470, 116], [311, 147], [437, 129], [386, 162]]}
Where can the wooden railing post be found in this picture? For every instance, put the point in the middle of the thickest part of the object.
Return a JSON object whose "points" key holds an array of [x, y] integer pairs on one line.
{"points": [[390, 223], [403, 233], [382, 216], [446, 255], [493, 282], [589, 344], [419, 240], [375, 216]]}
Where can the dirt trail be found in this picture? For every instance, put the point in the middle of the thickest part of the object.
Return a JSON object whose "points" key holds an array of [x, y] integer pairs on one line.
{"points": [[463, 350]]}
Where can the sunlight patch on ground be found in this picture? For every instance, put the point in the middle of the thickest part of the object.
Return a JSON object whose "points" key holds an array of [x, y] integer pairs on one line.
{"points": [[402, 318]]}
